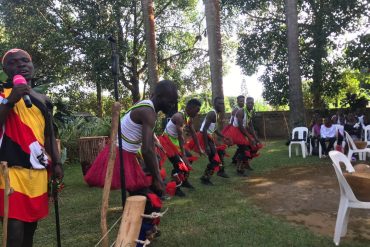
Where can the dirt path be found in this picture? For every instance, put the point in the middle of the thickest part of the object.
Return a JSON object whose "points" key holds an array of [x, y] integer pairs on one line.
{"points": [[307, 195]]}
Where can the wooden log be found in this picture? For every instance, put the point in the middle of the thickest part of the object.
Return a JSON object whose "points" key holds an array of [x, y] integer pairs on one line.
{"points": [[131, 221], [359, 181], [7, 191], [108, 177], [89, 148]]}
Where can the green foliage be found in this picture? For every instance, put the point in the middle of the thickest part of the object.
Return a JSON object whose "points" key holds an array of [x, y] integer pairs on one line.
{"points": [[358, 53], [70, 130], [263, 43], [68, 43], [219, 216]]}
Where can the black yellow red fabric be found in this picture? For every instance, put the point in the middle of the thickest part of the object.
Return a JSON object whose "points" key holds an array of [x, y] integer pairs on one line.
{"points": [[22, 139]]}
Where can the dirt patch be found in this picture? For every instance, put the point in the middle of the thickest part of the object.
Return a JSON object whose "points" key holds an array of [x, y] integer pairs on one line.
{"points": [[307, 195]]}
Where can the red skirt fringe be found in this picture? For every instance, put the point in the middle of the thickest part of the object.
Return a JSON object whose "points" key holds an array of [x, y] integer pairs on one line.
{"points": [[135, 177], [170, 148]]}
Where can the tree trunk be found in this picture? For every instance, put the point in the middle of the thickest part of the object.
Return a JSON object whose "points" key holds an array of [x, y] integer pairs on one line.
{"points": [[99, 100], [212, 12], [297, 111], [151, 51], [318, 53]]}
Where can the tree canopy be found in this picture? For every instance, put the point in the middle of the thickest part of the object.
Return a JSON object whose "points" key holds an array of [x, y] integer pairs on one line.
{"points": [[322, 26]]}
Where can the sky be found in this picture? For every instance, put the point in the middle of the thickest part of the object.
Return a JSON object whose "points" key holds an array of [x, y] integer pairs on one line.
{"points": [[232, 83]]}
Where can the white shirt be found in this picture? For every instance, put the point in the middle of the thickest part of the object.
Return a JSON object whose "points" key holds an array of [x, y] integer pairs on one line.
{"points": [[132, 132], [328, 132]]}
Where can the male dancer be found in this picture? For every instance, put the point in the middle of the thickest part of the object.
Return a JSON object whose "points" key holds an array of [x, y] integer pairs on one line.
{"points": [[243, 134], [137, 134], [173, 142], [206, 141], [26, 137], [240, 105]]}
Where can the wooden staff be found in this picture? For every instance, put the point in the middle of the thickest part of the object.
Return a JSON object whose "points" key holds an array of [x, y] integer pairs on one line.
{"points": [[7, 192], [108, 176], [129, 229], [264, 127]]}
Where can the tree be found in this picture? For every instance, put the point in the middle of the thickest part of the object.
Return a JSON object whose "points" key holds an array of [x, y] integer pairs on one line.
{"points": [[151, 50], [69, 40], [297, 112], [320, 23], [212, 12]]}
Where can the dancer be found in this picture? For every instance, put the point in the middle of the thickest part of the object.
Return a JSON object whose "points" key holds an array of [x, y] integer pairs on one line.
{"points": [[244, 136], [206, 141], [172, 141], [137, 134], [240, 105]]}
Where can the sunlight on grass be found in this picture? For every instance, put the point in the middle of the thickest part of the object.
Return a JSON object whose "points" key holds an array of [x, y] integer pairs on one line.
{"points": [[218, 215]]}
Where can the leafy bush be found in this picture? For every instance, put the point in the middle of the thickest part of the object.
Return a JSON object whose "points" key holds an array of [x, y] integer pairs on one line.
{"points": [[70, 131]]}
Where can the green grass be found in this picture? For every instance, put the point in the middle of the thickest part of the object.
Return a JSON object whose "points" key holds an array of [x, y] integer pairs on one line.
{"points": [[220, 215]]}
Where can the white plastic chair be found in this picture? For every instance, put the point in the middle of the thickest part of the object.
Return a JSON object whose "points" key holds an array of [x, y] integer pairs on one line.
{"points": [[347, 198], [367, 134], [302, 134], [353, 149]]}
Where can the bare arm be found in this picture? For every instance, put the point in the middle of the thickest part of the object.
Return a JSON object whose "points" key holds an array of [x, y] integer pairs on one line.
{"points": [[211, 117], [179, 122], [194, 136], [252, 131], [147, 118], [240, 117]]}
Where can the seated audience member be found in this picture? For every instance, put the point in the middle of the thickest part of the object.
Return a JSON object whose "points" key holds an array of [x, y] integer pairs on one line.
{"points": [[353, 127], [328, 134], [315, 133], [339, 125]]}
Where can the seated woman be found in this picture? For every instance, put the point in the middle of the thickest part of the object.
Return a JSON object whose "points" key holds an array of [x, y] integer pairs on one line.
{"points": [[315, 133], [328, 134]]}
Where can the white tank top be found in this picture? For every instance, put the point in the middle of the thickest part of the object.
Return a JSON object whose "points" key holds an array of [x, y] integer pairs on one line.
{"points": [[171, 129], [212, 127], [131, 132], [235, 122], [232, 117], [171, 126]]}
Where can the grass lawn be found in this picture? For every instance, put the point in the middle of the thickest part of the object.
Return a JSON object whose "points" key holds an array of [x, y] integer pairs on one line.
{"points": [[219, 215]]}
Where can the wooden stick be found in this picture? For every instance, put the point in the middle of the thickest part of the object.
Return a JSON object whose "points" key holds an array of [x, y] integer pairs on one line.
{"points": [[108, 176], [131, 221], [5, 174], [287, 126], [264, 127]]}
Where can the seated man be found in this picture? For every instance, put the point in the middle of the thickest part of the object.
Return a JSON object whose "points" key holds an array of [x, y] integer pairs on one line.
{"points": [[328, 134]]}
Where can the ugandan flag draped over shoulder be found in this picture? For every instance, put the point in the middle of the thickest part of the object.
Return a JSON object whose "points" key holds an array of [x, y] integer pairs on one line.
{"points": [[22, 139]]}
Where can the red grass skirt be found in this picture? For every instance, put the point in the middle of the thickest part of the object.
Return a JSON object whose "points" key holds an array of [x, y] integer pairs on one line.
{"points": [[239, 139], [190, 145], [169, 147], [135, 178]]}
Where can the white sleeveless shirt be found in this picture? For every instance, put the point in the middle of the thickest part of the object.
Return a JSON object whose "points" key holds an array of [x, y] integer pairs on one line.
{"points": [[212, 127], [171, 129], [171, 126], [232, 117], [131, 132], [235, 122]]}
